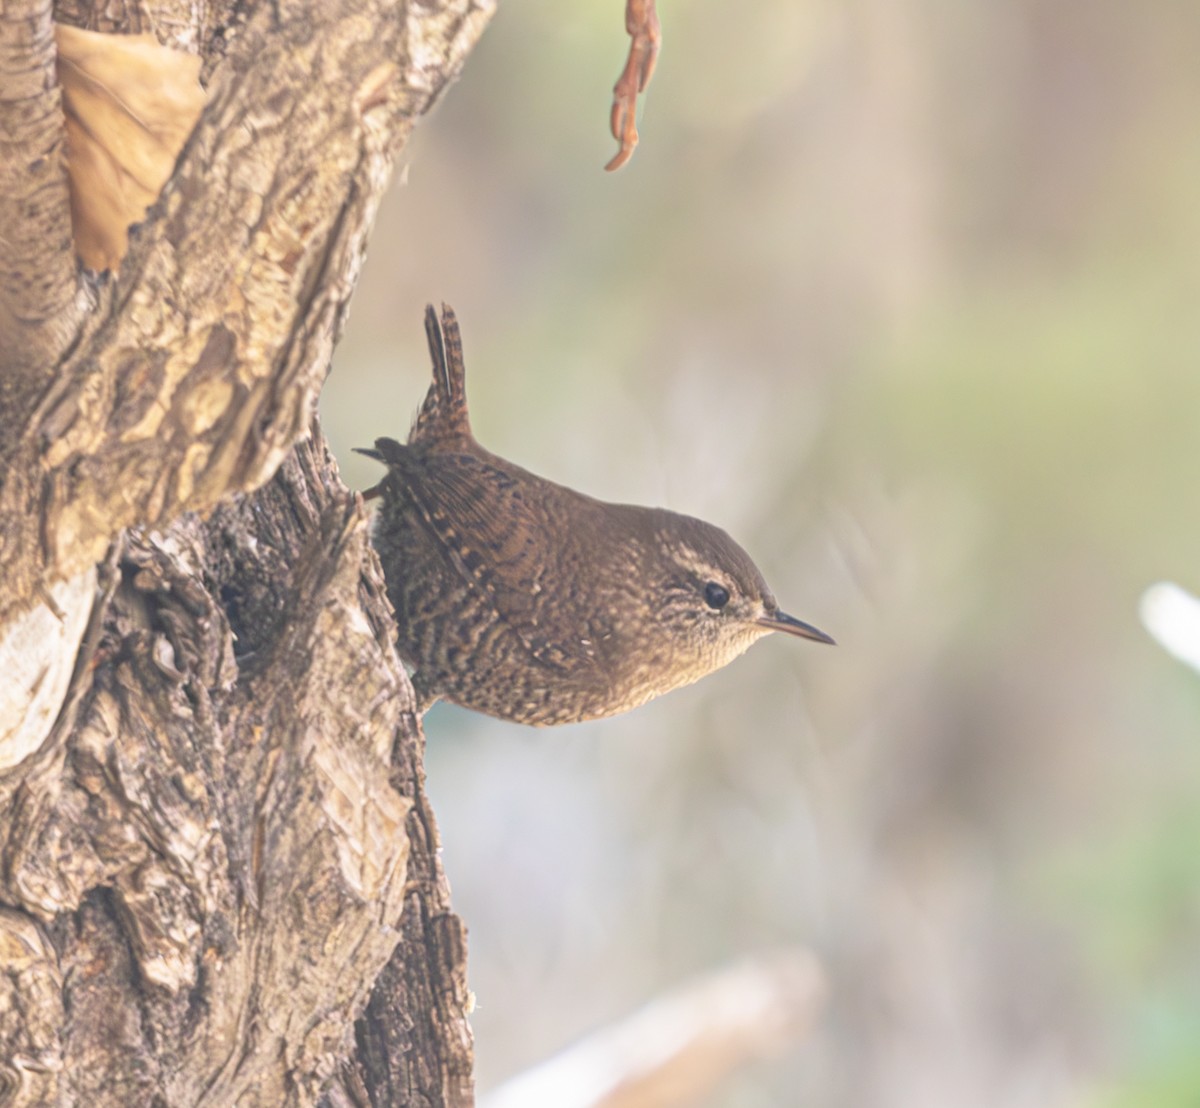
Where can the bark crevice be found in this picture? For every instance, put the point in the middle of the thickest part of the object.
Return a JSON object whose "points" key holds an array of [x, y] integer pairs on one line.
{"points": [[219, 880]]}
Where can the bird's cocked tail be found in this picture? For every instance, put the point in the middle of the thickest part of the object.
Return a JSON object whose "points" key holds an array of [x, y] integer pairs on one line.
{"points": [[444, 412], [443, 415]]}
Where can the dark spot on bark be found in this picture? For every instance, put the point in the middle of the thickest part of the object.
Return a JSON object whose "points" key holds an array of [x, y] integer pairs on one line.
{"points": [[138, 383], [218, 350]]}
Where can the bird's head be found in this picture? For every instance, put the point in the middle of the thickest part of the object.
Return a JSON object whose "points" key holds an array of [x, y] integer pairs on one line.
{"points": [[709, 600]]}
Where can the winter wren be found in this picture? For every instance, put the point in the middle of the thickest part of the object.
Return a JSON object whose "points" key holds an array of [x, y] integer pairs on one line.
{"points": [[534, 603]]}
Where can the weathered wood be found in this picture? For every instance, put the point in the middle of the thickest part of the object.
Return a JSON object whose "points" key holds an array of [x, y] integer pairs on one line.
{"points": [[210, 865], [219, 880], [200, 366], [40, 309]]}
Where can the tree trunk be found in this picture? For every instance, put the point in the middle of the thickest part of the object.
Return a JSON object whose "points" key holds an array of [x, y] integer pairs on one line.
{"points": [[219, 880]]}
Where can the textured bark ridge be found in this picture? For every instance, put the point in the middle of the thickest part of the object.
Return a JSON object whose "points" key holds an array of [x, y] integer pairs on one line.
{"points": [[219, 881], [194, 373], [221, 871]]}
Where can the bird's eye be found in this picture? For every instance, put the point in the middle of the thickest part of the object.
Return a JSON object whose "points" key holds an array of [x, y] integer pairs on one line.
{"points": [[716, 596]]}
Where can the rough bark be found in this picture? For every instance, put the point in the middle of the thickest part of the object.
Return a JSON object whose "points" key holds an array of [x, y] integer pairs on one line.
{"points": [[224, 841], [200, 367], [39, 302], [219, 880]]}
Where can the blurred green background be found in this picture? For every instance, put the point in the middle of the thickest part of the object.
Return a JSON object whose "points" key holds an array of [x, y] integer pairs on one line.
{"points": [[905, 294]]}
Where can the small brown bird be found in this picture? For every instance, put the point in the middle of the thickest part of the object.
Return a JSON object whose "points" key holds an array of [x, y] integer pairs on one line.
{"points": [[529, 601]]}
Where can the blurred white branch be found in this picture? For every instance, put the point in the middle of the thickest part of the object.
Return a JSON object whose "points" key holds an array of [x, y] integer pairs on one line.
{"points": [[1172, 616], [678, 1047]]}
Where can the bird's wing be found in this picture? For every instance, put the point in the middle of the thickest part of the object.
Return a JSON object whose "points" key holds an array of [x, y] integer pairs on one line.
{"points": [[482, 518]]}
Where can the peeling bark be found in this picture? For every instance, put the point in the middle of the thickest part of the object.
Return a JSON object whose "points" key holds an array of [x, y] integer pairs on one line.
{"points": [[40, 308], [219, 874], [201, 365], [224, 855]]}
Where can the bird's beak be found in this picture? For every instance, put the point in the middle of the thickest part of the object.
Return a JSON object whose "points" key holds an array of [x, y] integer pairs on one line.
{"points": [[789, 625]]}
